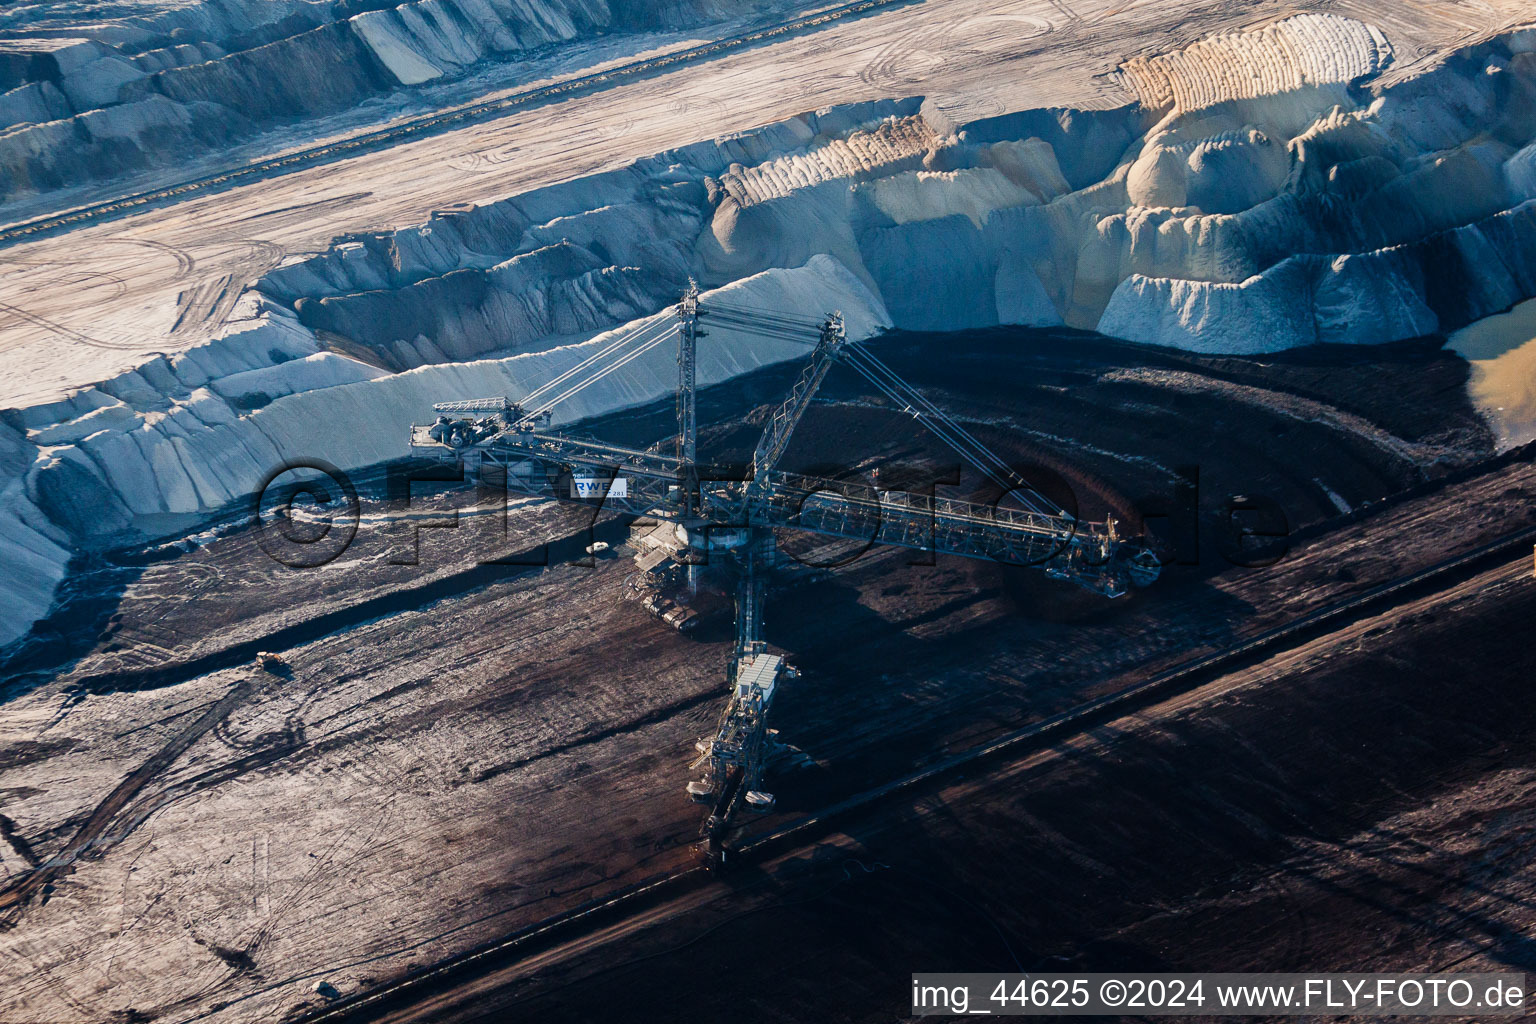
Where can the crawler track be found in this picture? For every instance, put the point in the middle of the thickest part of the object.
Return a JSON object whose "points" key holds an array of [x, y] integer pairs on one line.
{"points": [[802, 833]]}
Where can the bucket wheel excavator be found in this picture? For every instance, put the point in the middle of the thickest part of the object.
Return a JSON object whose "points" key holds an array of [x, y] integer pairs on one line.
{"points": [[712, 517]]}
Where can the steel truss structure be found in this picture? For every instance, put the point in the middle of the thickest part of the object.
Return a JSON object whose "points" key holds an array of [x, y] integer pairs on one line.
{"points": [[719, 515]]}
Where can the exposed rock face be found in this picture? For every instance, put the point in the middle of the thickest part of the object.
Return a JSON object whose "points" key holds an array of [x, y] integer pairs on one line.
{"points": [[149, 89], [1263, 195], [193, 433]]}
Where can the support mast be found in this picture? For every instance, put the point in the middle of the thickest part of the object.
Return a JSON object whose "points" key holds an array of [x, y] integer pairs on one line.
{"points": [[687, 405], [735, 756]]}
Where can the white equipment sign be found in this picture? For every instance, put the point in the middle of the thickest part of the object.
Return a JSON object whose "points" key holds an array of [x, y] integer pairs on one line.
{"points": [[592, 487]]}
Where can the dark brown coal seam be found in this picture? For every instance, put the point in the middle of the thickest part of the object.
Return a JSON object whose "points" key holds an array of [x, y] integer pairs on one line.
{"points": [[380, 606]]}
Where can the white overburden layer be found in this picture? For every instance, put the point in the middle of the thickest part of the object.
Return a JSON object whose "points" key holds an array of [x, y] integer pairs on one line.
{"points": [[35, 554], [180, 444], [377, 411], [421, 41], [86, 109]]}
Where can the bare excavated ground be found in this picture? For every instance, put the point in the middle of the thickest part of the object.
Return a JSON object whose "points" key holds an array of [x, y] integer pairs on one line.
{"points": [[1101, 425], [1361, 803], [462, 749]]}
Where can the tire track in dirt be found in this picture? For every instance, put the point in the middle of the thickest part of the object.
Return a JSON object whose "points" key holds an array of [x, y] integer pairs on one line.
{"points": [[14, 897], [634, 902]]}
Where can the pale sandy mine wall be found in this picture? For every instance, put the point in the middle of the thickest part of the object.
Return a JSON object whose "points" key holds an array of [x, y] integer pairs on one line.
{"points": [[75, 109], [1216, 216]]}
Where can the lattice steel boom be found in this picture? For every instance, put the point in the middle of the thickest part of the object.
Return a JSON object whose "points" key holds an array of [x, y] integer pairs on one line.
{"points": [[720, 515]]}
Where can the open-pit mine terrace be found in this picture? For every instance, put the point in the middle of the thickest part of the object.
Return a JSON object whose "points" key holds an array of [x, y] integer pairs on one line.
{"points": [[1118, 239], [1235, 178], [458, 756], [1268, 179]]}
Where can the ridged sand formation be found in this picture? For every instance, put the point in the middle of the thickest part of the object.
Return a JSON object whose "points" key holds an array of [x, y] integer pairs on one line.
{"points": [[1306, 50], [858, 156]]}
